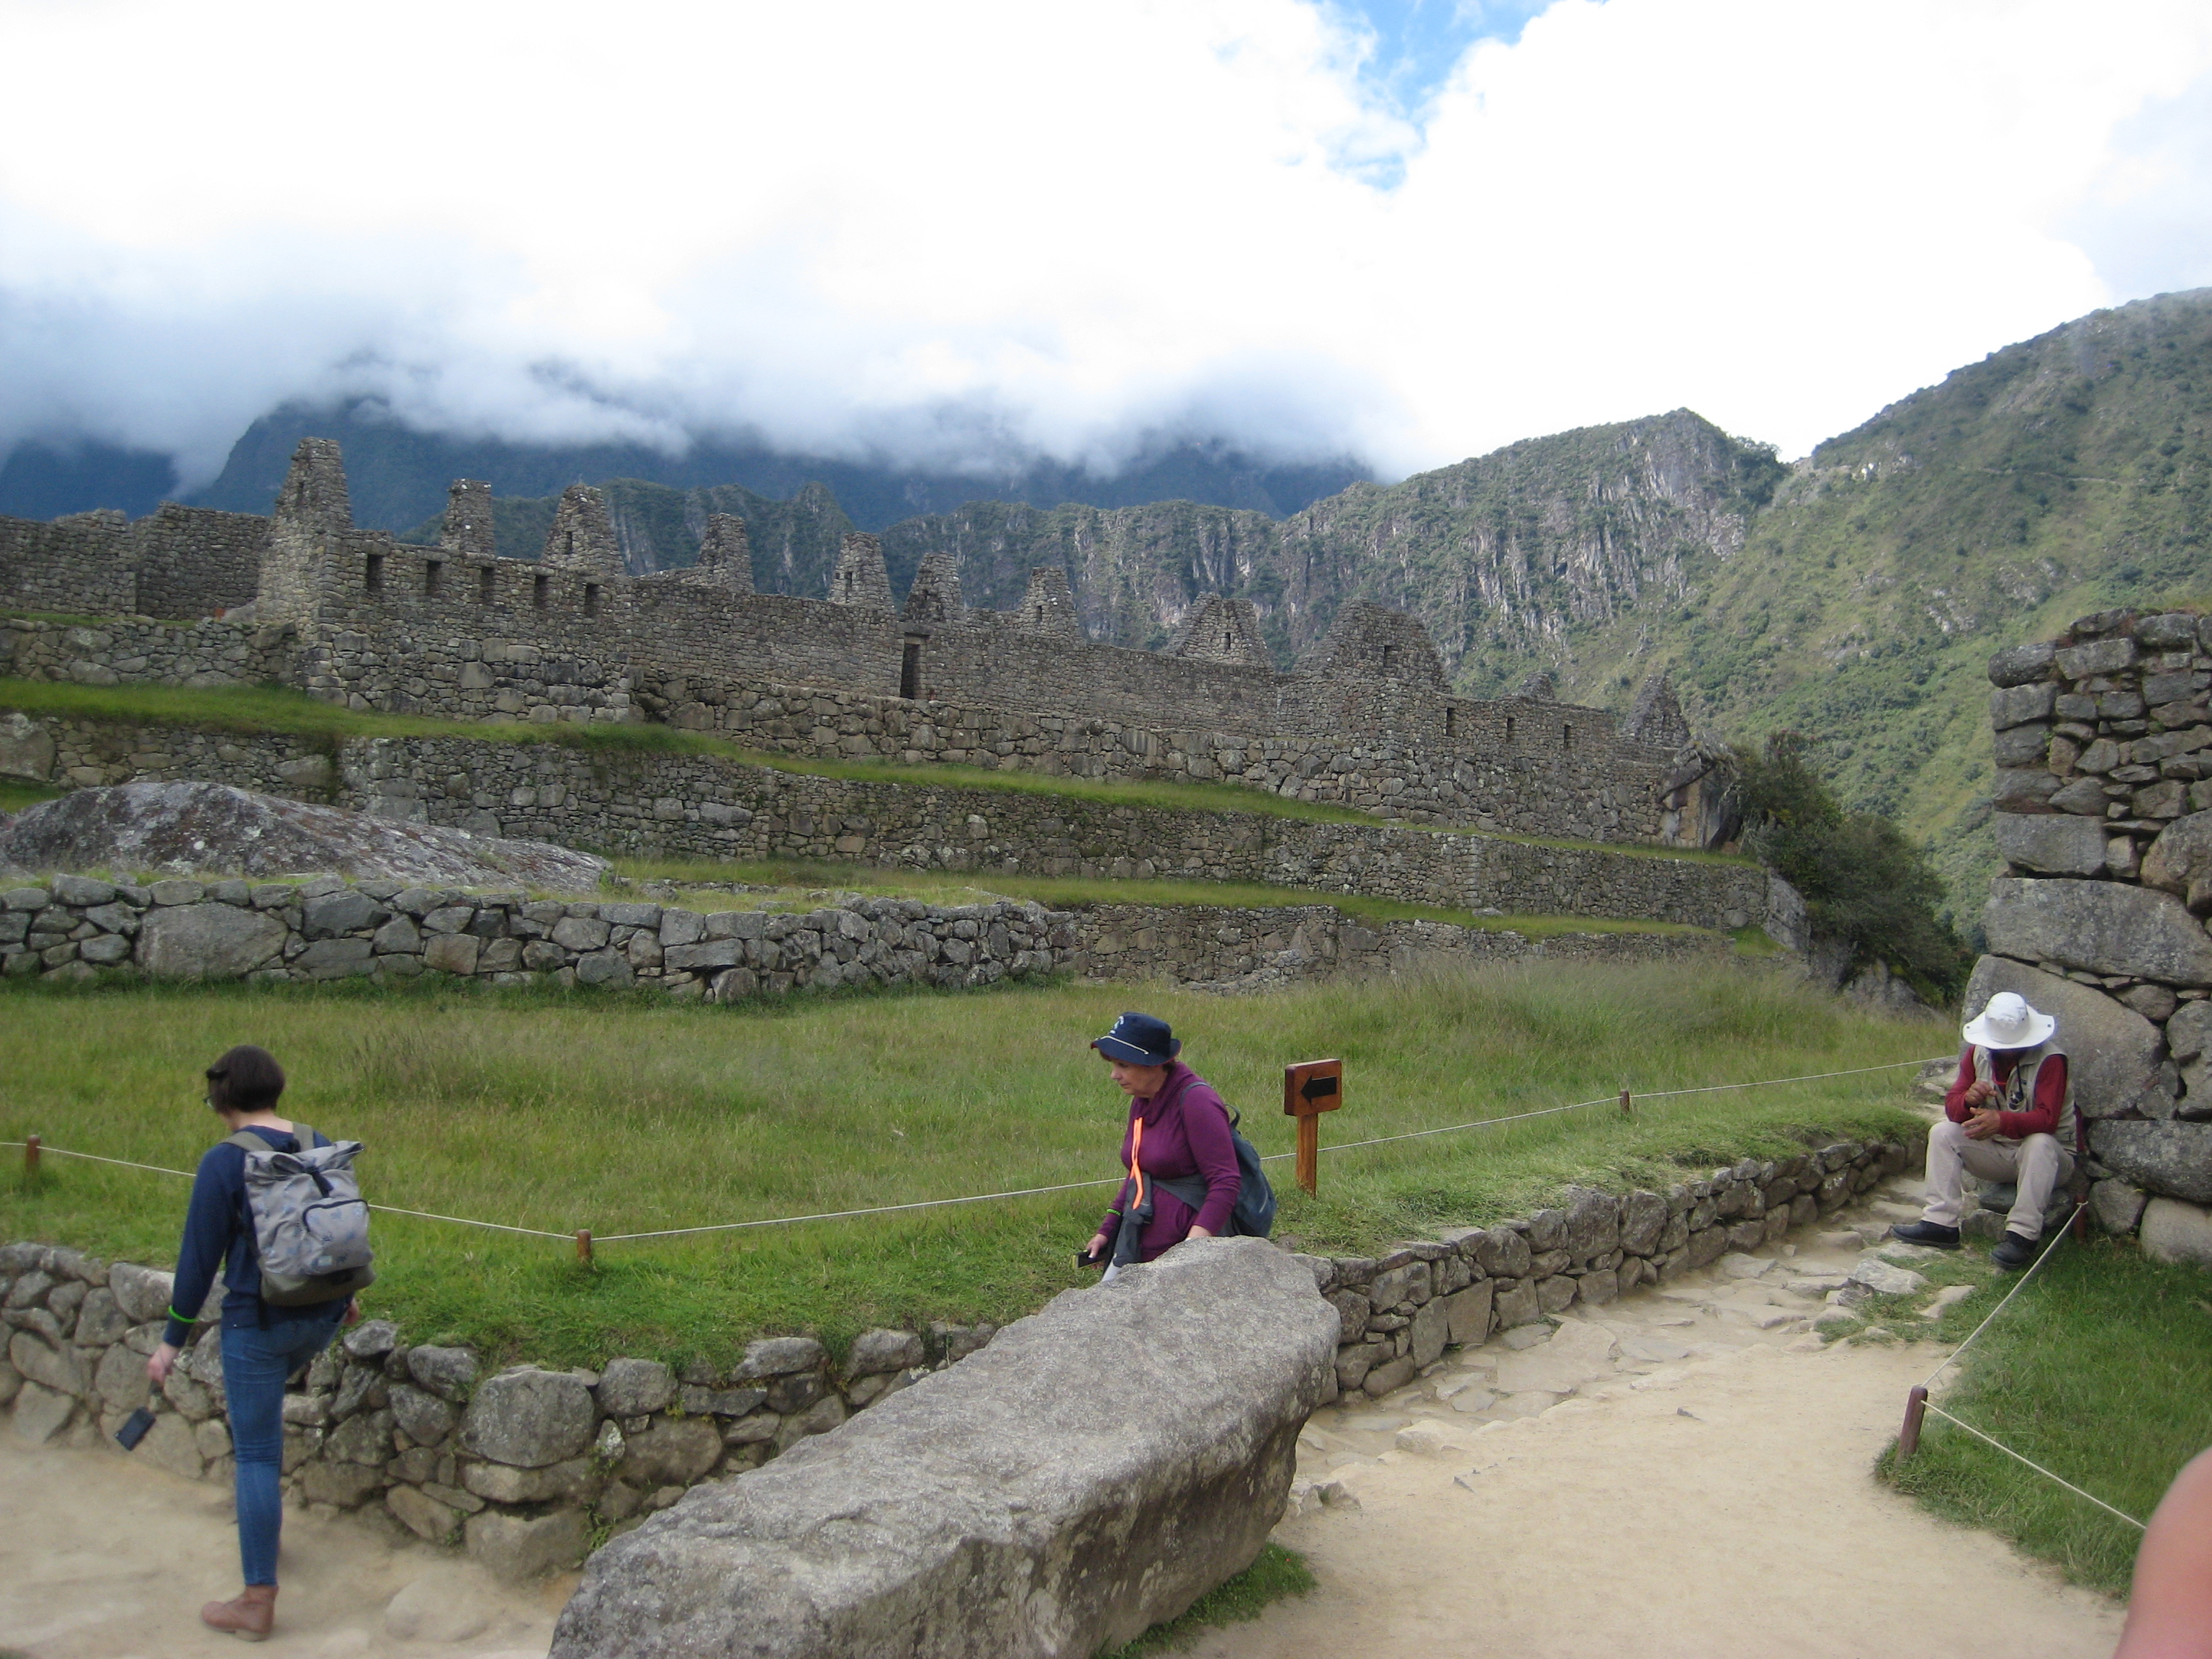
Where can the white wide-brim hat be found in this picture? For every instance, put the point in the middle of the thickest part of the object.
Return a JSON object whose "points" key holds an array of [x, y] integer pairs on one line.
{"points": [[2007, 1021]]}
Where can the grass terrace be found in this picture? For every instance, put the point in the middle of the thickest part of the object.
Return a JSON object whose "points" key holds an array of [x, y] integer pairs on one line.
{"points": [[2096, 1371], [558, 1111], [705, 885], [266, 709]]}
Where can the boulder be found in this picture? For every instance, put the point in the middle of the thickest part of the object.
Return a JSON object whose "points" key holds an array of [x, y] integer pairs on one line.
{"points": [[876, 1351], [207, 941], [142, 1293], [529, 1418], [1885, 1277], [2115, 1205], [2114, 1052], [515, 1548], [1009, 1504], [426, 1419], [446, 1372], [2104, 927], [188, 828], [635, 1388], [25, 750], [41, 1413], [2172, 1159], [1593, 1224], [672, 1453], [779, 1356], [2179, 861], [2051, 843], [2174, 1231]]}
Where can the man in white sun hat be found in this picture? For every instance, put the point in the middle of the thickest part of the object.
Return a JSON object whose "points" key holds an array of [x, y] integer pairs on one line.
{"points": [[2008, 1117]]}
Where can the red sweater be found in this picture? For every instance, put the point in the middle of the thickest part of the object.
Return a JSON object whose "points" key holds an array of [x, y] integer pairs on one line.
{"points": [[2050, 1094]]}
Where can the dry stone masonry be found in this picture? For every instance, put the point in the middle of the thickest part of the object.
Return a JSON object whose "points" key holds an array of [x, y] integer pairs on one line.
{"points": [[657, 803], [524, 1464], [1365, 719], [2103, 741]]}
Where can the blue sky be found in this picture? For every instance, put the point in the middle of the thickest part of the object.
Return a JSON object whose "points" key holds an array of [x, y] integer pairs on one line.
{"points": [[1417, 43]]}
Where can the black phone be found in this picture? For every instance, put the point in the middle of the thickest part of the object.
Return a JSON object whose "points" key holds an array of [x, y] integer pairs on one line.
{"points": [[134, 1428], [1085, 1259]]}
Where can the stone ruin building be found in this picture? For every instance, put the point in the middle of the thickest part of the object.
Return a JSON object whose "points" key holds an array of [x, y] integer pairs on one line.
{"points": [[1365, 719]]}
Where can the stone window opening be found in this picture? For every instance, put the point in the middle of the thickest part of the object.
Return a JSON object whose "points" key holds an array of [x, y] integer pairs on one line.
{"points": [[1567, 737], [1228, 640], [591, 598], [1508, 728], [434, 578], [1451, 723], [487, 587], [848, 584], [909, 666], [571, 543], [372, 576], [1389, 660], [540, 588]]}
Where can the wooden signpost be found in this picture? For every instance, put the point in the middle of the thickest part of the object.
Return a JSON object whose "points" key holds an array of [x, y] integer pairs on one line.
{"points": [[1308, 1090]]}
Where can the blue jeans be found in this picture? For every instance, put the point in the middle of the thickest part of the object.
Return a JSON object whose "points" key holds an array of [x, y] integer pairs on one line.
{"points": [[255, 1363]]}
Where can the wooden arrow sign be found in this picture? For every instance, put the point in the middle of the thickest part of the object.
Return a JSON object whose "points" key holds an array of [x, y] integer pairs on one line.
{"points": [[1310, 1088]]}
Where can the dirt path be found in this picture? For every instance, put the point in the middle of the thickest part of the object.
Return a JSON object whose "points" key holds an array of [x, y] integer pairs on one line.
{"points": [[105, 1559], [1687, 1473], [1689, 1484]]}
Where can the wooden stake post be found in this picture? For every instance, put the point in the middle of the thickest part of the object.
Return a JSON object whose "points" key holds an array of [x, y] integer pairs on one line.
{"points": [[1308, 1090]]}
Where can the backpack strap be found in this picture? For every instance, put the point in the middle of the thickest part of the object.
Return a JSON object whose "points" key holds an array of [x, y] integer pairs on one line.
{"points": [[246, 1141]]}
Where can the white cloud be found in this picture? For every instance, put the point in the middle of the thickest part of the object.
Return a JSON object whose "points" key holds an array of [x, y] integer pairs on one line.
{"points": [[943, 232]]}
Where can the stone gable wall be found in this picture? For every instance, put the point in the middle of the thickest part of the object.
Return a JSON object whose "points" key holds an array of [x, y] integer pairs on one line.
{"points": [[2103, 741], [521, 1467]]}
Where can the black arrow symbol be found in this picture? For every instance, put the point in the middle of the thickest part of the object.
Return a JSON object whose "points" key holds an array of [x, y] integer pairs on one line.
{"points": [[1315, 1087]]}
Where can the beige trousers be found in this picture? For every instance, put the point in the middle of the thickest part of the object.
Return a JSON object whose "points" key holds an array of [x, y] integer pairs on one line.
{"points": [[2038, 1164]]}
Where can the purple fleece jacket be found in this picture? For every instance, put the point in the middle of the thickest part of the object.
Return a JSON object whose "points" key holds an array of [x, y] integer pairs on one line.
{"points": [[1186, 1134]]}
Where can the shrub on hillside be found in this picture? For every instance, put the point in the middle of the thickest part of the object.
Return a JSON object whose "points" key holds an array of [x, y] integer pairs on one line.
{"points": [[1868, 889]]}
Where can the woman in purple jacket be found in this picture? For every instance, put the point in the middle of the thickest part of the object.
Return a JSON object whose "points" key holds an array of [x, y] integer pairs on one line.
{"points": [[1182, 1161]]}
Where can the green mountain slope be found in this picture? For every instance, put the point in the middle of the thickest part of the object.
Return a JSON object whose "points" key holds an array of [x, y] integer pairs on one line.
{"points": [[2061, 475]]}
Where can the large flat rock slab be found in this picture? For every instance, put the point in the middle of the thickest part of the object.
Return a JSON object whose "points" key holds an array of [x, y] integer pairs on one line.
{"points": [[189, 828], [1096, 1469], [2102, 926]]}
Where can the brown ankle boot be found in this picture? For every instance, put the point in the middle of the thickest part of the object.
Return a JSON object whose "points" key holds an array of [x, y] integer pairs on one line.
{"points": [[248, 1618]]}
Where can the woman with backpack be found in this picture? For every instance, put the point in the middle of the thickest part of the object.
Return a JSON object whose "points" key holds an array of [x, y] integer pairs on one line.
{"points": [[263, 1343], [1180, 1150]]}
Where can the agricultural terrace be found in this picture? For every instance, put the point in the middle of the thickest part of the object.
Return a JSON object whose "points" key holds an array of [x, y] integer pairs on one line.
{"points": [[553, 1110]]}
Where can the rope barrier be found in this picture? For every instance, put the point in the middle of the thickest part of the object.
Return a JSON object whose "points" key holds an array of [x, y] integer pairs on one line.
{"points": [[1918, 1400], [2037, 1467], [1021, 1192]]}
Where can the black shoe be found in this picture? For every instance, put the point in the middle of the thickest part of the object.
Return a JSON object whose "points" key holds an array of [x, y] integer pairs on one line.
{"points": [[1934, 1235], [2013, 1252]]}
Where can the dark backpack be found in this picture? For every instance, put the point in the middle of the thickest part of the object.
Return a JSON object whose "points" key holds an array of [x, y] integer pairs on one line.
{"points": [[1253, 1216]]}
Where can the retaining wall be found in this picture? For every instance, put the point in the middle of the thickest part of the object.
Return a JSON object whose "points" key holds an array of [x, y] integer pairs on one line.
{"points": [[523, 1466], [649, 803], [72, 926]]}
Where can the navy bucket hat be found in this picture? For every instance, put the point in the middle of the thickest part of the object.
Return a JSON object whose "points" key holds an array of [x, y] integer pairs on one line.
{"points": [[1140, 1040]]}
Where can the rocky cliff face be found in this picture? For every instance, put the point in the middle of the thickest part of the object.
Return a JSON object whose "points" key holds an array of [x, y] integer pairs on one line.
{"points": [[1500, 556]]}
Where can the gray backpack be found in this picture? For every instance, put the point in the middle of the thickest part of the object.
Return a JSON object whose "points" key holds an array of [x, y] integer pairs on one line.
{"points": [[310, 1225]]}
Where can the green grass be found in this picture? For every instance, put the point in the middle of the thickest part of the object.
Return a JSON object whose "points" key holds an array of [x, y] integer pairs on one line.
{"points": [[271, 709], [2097, 1372], [696, 878], [632, 1114], [16, 796], [1278, 1572]]}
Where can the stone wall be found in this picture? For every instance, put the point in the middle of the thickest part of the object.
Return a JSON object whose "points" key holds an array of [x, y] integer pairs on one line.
{"points": [[140, 650], [2104, 818], [1366, 719], [70, 927], [1251, 950], [657, 803], [524, 1465]]}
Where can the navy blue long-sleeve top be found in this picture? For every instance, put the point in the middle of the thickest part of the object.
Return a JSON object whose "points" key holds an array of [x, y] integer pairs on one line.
{"points": [[219, 1237]]}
